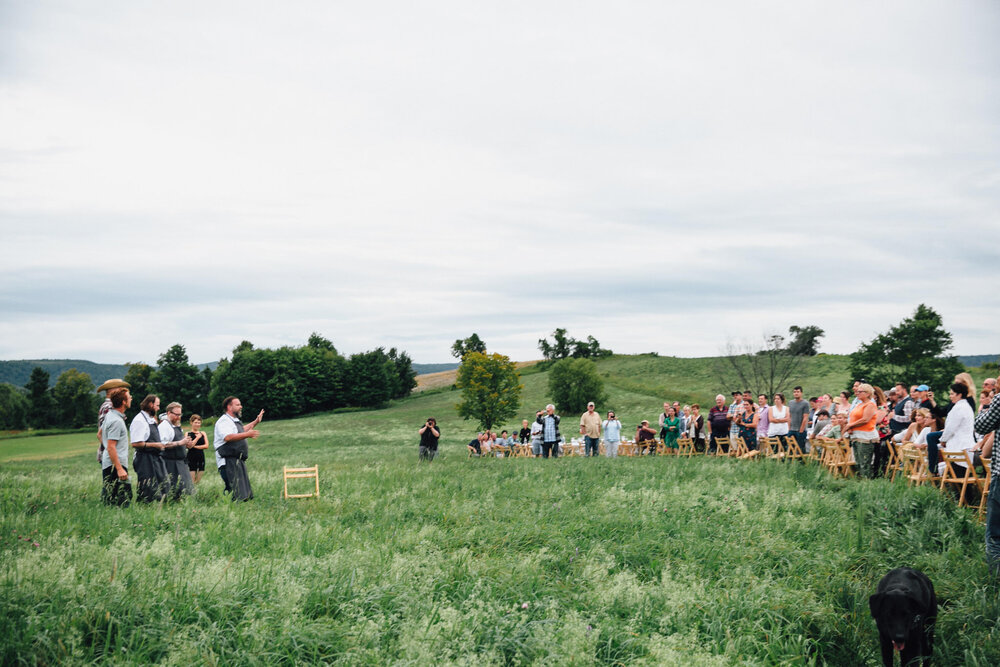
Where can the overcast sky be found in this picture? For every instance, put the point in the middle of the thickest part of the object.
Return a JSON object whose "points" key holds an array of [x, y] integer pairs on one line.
{"points": [[663, 176]]}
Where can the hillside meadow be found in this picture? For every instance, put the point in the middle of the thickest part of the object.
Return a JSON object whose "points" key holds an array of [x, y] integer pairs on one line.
{"points": [[658, 561]]}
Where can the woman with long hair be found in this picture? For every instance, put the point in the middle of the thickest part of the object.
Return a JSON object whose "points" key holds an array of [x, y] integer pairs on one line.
{"points": [[196, 455], [748, 424], [778, 417]]}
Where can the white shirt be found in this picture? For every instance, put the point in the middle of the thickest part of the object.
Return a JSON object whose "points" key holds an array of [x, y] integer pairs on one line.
{"points": [[166, 431], [774, 428], [226, 425], [139, 430], [958, 428]]}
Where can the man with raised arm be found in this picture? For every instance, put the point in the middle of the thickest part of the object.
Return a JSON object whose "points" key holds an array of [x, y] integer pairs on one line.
{"points": [[231, 444]]}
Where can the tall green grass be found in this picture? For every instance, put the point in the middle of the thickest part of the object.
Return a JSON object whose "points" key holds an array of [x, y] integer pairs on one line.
{"points": [[569, 561]]}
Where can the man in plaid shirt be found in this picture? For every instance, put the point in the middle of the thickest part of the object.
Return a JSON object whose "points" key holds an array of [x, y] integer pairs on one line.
{"points": [[988, 422]]}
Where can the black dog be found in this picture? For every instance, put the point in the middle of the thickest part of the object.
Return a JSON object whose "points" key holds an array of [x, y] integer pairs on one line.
{"points": [[905, 609]]}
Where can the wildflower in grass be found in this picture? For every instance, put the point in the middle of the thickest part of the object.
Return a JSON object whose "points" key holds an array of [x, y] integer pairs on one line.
{"points": [[524, 605], [35, 544]]}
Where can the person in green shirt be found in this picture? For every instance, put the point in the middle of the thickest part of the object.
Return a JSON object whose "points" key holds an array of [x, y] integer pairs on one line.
{"points": [[672, 428]]}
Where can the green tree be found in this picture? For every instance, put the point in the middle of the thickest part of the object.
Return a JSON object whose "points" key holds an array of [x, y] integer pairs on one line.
{"points": [[563, 347], [402, 370], [177, 379], [14, 408], [368, 378], [41, 408], [912, 352], [139, 376], [246, 376], [491, 389], [575, 382], [471, 344], [805, 340], [76, 400]]}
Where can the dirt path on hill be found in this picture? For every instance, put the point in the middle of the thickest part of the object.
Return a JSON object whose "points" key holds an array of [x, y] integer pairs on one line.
{"points": [[447, 378]]}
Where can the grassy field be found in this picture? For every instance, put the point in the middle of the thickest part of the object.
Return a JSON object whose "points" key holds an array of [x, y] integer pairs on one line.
{"points": [[571, 561]]}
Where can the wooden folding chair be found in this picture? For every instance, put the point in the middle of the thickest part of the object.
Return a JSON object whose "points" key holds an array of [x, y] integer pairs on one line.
{"points": [[302, 473], [626, 448], [892, 464], [685, 446], [950, 476], [792, 450], [741, 448], [915, 466], [986, 489], [719, 442], [777, 449]]}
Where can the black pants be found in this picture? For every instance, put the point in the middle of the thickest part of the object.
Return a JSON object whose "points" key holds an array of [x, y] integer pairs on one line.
{"points": [[114, 491], [225, 480], [550, 447], [713, 445]]}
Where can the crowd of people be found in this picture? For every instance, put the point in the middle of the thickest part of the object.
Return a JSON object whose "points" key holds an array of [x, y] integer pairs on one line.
{"points": [[868, 417], [167, 462]]}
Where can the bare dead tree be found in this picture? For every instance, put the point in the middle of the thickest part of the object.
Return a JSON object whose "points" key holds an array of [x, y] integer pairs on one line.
{"points": [[763, 368]]}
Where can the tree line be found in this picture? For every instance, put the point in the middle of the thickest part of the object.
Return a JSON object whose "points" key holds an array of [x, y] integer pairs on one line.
{"points": [[287, 382]]}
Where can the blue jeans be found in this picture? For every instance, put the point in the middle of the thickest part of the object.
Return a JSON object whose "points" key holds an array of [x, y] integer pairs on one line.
{"points": [[591, 445], [993, 529], [932, 451]]}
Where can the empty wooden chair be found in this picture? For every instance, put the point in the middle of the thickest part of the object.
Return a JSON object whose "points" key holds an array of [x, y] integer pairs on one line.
{"points": [[893, 464], [722, 446], [302, 473], [741, 449], [792, 450], [685, 446]]}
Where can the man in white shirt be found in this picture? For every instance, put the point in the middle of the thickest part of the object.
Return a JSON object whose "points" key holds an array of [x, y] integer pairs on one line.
{"points": [[175, 447], [231, 445], [150, 470]]}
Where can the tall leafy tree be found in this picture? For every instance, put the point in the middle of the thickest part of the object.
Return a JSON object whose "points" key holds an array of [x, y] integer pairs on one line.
{"points": [[473, 343], [402, 369], [563, 346], [912, 352], [14, 408], [76, 400], [805, 340], [575, 382], [140, 378], [41, 408], [177, 379], [369, 380], [491, 389]]}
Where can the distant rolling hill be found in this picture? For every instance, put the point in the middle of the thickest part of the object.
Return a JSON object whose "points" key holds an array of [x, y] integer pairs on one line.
{"points": [[18, 372]]}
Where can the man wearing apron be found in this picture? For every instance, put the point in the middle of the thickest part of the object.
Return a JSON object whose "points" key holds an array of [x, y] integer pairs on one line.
{"points": [[176, 445], [231, 444], [150, 471]]}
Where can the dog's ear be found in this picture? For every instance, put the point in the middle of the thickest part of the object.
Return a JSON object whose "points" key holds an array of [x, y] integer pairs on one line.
{"points": [[875, 604]]}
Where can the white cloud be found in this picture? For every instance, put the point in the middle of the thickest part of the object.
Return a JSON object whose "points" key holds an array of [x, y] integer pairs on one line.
{"points": [[390, 174]]}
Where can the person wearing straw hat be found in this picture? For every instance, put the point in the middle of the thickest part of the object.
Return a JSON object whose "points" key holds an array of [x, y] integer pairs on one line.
{"points": [[102, 412], [115, 487]]}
